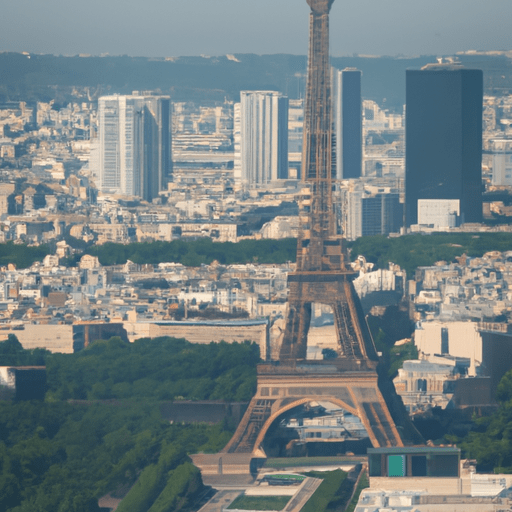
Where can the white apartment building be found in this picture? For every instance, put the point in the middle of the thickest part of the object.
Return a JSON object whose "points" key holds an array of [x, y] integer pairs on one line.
{"points": [[263, 127]]}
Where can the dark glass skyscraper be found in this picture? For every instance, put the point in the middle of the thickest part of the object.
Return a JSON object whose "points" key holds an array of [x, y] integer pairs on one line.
{"points": [[348, 122], [443, 133]]}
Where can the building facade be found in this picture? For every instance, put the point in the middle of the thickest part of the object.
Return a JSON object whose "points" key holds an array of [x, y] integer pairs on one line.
{"points": [[439, 213], [444, 138], [263, 138], [134, 145], [367, 212], [501, 162], [347, 122]]}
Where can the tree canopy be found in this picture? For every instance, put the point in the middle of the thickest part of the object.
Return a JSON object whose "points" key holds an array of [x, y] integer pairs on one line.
{"points": [[197, 252], [62, 455], [490, 443], [413, 251], [160, 368]]}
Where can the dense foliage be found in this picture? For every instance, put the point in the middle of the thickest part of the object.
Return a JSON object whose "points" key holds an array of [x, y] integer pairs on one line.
{"points": [[333, 493], [55, 457], [159, 368], [259, 502], [491, 441], [362, 484], [387, 329], [197, 252], [12, 353], [399, 354], [21, 255], [407, 251], [58, 456], [413, 251]]}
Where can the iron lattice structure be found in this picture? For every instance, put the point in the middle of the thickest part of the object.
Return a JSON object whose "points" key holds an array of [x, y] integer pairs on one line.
{"points": [[322, 274]]}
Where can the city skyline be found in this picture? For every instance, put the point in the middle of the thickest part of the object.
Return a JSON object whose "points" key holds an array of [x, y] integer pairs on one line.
{"points": [[161, 29]]}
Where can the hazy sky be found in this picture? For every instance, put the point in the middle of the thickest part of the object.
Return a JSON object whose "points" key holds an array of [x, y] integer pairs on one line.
{"points": [[216, 27]]}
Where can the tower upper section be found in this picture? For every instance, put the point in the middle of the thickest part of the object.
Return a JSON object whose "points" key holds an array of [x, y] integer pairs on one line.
{"points": [[320, 6]]}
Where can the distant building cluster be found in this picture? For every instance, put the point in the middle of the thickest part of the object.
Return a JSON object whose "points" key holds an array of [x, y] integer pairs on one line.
{"points": [[142, 167], [473, 289], [98, 166], [45, 305]]}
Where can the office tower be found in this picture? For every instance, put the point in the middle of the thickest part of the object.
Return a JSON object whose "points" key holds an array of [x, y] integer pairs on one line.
{"points": [[134, 145], [370, 213], [347, 122], [263, 137], [443, 135]]}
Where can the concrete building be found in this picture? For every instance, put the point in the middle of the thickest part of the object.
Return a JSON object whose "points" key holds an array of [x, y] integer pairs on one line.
{"points": [[438, 213], [423, 384], [347, 122], [134, 145], [281, 227], [457, 339], [430, 479], [501, 162], [444, 138], [263, 137], [370, 211], [237, 141], [205, 332], [55, 338], [295, 137]]}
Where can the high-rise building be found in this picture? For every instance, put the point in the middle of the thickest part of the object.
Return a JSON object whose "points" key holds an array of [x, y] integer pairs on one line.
{"points": [[134, 144], [347, 122], [263, 137], [370, 212], [443, 135]]}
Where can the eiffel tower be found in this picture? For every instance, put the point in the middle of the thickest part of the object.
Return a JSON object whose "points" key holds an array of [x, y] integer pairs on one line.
{"points": [[322, 276]]}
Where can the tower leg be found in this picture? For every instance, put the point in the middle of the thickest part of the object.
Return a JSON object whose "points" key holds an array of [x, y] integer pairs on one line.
{"points": [[295, 338]]}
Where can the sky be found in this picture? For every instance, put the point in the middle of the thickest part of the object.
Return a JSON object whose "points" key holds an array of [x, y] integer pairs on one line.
{"points": [[164, 28]]}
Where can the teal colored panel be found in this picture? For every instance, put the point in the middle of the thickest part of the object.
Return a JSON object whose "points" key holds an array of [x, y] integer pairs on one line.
{"points": [[396, 465]]}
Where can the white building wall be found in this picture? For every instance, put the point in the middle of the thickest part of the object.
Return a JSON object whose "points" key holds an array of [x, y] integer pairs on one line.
{"points": [[502, 162], [353, 225], [377, 281], [441, 213], [237, 165], [55, 338], [464, 340], [263, 137]]}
